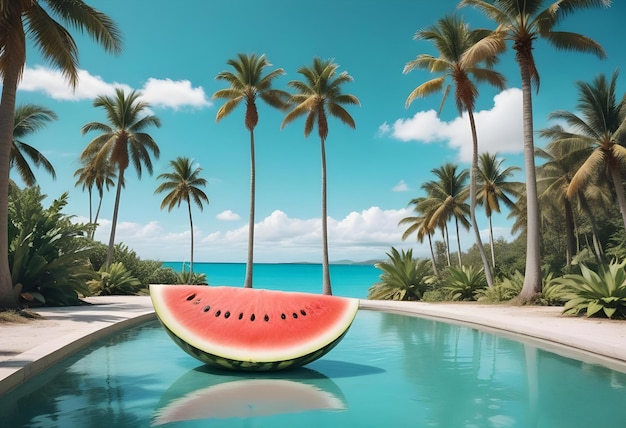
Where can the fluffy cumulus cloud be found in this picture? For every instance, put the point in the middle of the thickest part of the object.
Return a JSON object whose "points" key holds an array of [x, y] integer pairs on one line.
{"points": [[163, 93], [228, 215], [401, 187], [363, 235], [499, 128]]}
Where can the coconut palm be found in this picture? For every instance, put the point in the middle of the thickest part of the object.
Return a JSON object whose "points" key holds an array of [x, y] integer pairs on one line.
{"points": [[183, 185], [418, 225], [121, 142], [317, 96], [101, 176], [246, 83], [446, 200], [523, 22], [30, 118], [494, 188], [452, 38], [599, 131], [55, 43]]}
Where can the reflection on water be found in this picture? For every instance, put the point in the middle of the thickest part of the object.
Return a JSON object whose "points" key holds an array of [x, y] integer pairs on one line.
{"points": [[389, 371], [200, 394]]}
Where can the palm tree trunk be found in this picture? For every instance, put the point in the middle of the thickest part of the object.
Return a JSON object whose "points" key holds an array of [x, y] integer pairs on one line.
{"points": [[432, 255], [619, 190], [191, 229], [473, 175], [95, 220], [446, 240], [458, 241], [491, 245], [532, 274], [326, 288], [116, 209], [569, 232], [250, 262], [8, 299]]}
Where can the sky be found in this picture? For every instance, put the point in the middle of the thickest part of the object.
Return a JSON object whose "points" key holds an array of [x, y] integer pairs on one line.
{"points": [[172, 53]]}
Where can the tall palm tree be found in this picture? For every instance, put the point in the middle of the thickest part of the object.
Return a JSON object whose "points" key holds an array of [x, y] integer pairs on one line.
{"points": [[419, 225], [446, 199], [317, 96], [121, 142], [101, 176], [600, 132], [184, 185], [35, 18], [522, 22], [30, 118], [494, 188], [452, 38], [246, 84]]}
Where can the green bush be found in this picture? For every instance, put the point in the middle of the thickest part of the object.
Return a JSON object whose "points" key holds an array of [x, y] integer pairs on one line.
{"points": [[114, 281], [403, 277], [47, 252], [463, 283], [597, 294]]}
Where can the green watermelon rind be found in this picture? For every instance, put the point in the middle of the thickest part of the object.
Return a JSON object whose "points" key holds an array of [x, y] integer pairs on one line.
{"points": [[216, 357], [219, 362]]}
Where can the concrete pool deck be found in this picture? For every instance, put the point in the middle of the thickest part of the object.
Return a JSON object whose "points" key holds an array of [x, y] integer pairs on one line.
{"points": [[29, 348]]}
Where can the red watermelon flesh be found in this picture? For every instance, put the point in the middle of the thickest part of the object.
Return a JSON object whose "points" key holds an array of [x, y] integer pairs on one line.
{"points": [[250, 328]]}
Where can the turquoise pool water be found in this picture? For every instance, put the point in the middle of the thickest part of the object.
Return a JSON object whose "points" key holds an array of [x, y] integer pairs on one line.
{"points": [[389, 371]]}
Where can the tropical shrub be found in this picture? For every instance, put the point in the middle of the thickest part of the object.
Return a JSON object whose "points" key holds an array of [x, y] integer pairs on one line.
{"points": [[403, 277], [163, 275], [196, 278], [503, 291], [47, 252], [117, 280], [462, 283], [597, 294]]}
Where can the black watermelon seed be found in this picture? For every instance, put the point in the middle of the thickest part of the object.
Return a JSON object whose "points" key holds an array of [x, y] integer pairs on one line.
{"points": [[191, 297], [302, 311], [207, 308], [266, 317], [227, 314], [295, 315], [241, 315], [218, 313], [283, 316], [252, 317]]}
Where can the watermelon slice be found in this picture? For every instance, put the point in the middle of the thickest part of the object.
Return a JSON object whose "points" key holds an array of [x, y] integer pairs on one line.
{"points": [[252, 329]]}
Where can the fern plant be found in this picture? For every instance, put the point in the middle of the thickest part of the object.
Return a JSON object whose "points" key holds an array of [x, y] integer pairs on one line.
{"points": [[463, 283], [117, 280], [403, 277], [597, 294]]}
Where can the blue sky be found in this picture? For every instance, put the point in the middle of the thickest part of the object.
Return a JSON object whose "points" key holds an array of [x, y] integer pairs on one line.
{"points": [[172, 53]]}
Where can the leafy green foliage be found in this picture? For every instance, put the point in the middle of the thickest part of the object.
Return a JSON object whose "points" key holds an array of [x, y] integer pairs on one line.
{"points": [[403, 277], [503, 291], [117, 280], [195, 278], [597, 294], [463, 283], [47, 256]]}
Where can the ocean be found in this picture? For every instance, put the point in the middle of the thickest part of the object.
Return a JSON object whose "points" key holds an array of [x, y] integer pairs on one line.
{"points": [[348, 280]]}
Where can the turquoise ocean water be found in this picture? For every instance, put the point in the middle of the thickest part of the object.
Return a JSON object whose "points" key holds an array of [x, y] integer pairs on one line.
{"points": [[348, 280]]}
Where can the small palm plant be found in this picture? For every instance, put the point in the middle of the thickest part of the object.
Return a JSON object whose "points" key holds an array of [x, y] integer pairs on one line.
{"points": [[464, 282], [597, 294], [116, 280], [403, 277]]}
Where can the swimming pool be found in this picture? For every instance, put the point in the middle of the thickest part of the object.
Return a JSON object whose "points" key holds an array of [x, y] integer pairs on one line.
{"points": [[389, 371]]}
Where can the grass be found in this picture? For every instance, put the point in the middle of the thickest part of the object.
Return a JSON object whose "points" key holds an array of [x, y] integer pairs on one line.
{"points": [[15, 316]]}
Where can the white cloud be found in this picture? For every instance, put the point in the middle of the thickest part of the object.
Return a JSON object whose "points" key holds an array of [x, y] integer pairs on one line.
{"points": [[228, 215], [164, 93], [499, 129], [174, 94], [401, 187]]}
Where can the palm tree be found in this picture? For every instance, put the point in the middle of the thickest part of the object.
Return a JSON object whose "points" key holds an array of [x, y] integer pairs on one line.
{"points": [[600, 132], [494, 188], [418, 224], [452, 38], [121, 142], [30, 118], [446, 200], [247, 83], [21, 18], [523, 22], [101, 176], [183, 184], [317, 96]]}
